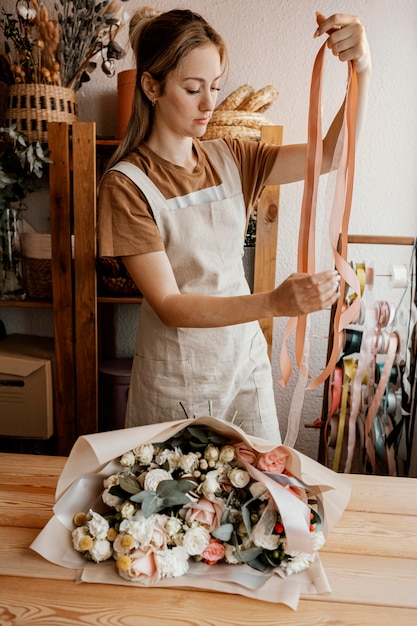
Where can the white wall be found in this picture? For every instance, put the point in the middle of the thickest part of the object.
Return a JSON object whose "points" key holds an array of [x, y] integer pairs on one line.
{"points": [[271, 41]]}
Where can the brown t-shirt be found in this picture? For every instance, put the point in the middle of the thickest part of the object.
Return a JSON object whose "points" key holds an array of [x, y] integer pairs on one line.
{"points": [[125, 222]]}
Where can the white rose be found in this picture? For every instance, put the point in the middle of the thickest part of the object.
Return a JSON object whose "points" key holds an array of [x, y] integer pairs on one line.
{"points": [[239, 477], [97, 525], [127, 510], [211, 453], [77, 535], [210, 485], [196, 540], [101, 550], [111, 500], [144, 453], [111, 481], [172, 563], [189, 462], [154, 477], [227, 454], [128, 459]]}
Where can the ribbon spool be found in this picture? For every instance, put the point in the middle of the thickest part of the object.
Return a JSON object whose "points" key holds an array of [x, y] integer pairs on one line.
{"points": [[398, 276], [393, 377], [353, 340]]}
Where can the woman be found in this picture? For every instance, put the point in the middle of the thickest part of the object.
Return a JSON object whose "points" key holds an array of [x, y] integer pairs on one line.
{"points": [[176, 211]]}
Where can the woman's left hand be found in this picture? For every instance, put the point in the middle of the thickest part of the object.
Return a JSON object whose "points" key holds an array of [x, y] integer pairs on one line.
{"points": [[347, 39]]}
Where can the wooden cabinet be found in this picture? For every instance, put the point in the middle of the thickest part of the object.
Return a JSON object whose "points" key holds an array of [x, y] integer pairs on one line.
{"points": [[73, 195]]}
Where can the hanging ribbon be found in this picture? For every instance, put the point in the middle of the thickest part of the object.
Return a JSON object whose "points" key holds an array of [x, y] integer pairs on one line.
{"points": [[338, 224]]}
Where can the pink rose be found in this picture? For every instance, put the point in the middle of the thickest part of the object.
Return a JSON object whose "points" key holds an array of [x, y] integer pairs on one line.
{"points": [[214, 552], [245, 453], [273, 461], [143, 566], [206, 512]]}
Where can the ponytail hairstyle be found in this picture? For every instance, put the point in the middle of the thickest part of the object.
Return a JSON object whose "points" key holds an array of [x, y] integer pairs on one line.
{"points": [[160, 41]]}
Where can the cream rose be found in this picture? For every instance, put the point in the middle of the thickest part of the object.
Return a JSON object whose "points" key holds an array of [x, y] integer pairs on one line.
{"points": [[128, 459], [144, 453], [127, 510], [211, 484], [154, 477], [227, 454], [189, 462], [238, 477], [211, 453], [196, 540]]}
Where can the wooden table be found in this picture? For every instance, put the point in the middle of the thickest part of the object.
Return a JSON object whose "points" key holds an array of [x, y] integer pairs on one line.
{"points": [[370, 559]]}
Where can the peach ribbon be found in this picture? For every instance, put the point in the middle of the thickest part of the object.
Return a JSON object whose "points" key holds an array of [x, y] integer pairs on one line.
{"points": [[338, 228]]}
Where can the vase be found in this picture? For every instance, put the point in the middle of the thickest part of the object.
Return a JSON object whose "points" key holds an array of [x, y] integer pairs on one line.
{"points": [[12, 285]]}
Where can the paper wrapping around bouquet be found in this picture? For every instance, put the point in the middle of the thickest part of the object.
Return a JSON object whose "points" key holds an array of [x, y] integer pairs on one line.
{"points": [[95, 457]]}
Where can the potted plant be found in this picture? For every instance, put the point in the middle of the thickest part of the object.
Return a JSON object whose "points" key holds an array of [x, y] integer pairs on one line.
{"points": [[21, 168]]}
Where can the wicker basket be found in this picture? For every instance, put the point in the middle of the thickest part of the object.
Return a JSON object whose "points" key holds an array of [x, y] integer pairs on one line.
{"points": [[37, 255], [114, 279], [32, 106]]}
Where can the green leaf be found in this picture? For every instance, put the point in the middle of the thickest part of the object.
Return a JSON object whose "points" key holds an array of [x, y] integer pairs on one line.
{"points": [[129, 484], [258, 564], [245, 556], [246, 518], [223, 532]]}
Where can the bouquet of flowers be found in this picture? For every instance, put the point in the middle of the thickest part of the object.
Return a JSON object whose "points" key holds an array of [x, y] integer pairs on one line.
{"points": [[196, 503]]}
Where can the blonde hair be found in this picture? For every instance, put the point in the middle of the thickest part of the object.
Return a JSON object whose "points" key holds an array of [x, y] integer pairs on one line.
{"points": [[160, 41]]}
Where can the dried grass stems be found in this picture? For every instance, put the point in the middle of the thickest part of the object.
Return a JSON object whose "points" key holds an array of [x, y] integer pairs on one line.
{"points": [[59, 51]]}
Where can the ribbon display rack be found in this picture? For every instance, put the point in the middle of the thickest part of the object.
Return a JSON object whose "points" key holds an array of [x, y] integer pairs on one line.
{"points": [[368, 421]]}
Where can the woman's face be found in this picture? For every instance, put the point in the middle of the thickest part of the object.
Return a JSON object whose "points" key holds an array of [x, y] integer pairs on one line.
{"points": [[190, 94]]}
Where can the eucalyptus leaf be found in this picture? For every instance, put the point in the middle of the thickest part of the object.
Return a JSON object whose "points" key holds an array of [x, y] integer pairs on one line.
{"points": [[246, 519], [129, 484], [245, 556], [258, 564], [223, 532]]}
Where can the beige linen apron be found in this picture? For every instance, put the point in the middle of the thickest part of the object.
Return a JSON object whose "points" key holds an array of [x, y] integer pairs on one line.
{"points": [[203, 235]]}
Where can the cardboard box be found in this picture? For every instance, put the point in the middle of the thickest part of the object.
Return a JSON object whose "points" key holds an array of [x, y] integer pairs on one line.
{"points": [[26, 386]]}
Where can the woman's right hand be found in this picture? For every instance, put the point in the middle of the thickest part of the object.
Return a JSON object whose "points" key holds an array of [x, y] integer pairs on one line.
{"points": [[301, 293]]}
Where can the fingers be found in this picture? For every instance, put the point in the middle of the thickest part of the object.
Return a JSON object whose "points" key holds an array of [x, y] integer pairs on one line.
{"points": [[301, 294], [347, 39]]}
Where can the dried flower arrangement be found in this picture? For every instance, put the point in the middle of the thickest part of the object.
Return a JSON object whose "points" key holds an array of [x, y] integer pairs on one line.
{"points": [[59, 51]]}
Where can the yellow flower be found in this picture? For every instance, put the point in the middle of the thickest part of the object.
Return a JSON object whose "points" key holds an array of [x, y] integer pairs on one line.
{"points": [[80, 519], [127, 542], [85, 543], [111, 534], [123, 563]]}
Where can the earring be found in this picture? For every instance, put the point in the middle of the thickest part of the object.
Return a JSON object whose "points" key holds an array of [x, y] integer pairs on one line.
{"points": [[153, 102]]}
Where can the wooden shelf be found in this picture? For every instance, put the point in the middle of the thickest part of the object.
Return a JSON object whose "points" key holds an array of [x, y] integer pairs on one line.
{"points": [[28, 304]]}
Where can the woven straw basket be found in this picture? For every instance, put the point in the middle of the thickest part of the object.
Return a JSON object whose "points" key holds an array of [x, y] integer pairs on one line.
{"points": [[36, 249], [32, 106]]}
